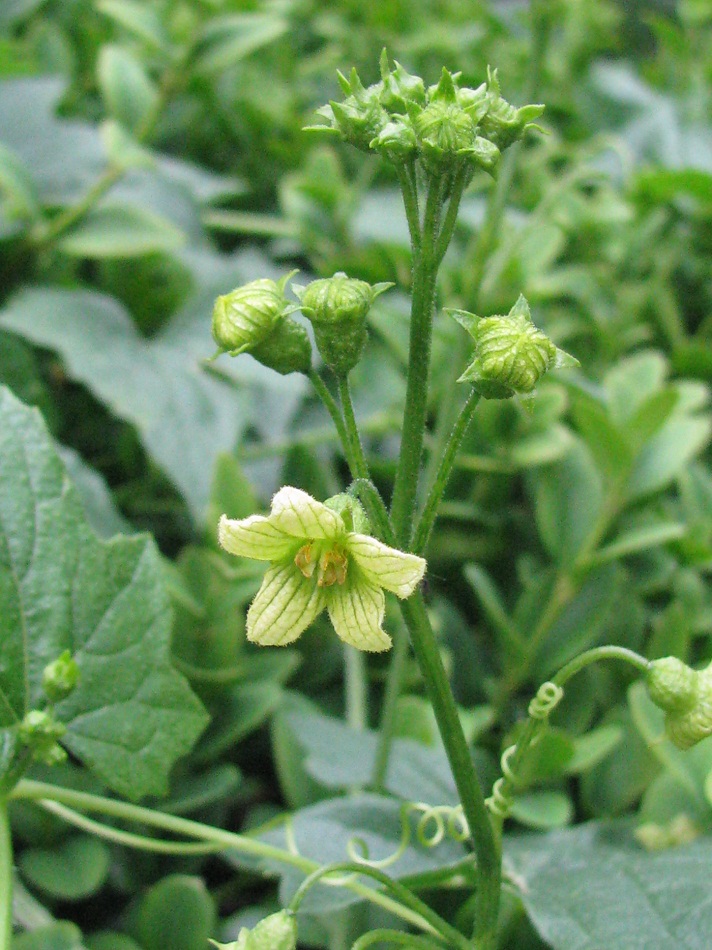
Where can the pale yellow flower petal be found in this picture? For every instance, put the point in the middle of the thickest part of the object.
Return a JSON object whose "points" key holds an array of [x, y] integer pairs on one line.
{"points": [[285, 605], [356, 610], [298, 514], [393, 570], [255, 537]]}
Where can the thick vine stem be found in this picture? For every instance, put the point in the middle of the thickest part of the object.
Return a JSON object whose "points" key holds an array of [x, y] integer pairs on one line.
{"points": [[5, 878], [397, 938], [486, 844]]}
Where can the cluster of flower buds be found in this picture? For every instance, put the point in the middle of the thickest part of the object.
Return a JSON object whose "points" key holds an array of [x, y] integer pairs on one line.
{"points": [[255, 319], [444, 124], [511, 354], [685, 695]]}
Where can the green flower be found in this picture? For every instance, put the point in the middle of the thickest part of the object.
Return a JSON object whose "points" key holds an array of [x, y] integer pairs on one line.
{"points": [[685, 695], [319, 562]]}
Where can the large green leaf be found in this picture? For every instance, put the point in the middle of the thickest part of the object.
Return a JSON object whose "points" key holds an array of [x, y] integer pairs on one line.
{"points": [[592, 887], [132, 715], [184, 415]]}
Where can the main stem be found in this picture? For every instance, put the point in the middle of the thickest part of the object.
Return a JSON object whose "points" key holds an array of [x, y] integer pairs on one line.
{"points": [[5, 878], [486, 846], [416, 398]]}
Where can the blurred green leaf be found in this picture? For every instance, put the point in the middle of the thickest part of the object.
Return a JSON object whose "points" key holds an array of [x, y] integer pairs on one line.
{"points": [[17, 187], [59, 936], [227, 39], [543, 810], [71, 870], [128, 92], [139, 18], [120, 231], [178, 912]]}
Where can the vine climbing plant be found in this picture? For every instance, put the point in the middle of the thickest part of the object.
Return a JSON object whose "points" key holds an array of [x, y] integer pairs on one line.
{"points": [[340, 555]]}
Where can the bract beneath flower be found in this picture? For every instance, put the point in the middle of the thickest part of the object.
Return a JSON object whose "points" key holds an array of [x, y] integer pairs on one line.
{"points": [[317, 564]]}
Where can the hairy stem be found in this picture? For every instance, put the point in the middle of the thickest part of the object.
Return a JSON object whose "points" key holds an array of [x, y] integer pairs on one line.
{"points": [[442, 476], [356, 679], [486, 845], [5, 878]]}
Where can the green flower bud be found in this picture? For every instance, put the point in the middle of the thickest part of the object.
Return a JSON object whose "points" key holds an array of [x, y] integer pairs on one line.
{"points": [[39, 731], [255, 319], [351, 511], [511, 354], [337, 308], [276, 932], [503, 124], [360, 117], [396, 140], [399, 87], [60, 677], [685, 695]]}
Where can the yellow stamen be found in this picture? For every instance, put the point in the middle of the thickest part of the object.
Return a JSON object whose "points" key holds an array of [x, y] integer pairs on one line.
{"points": [[332, 568], [305, 560]]}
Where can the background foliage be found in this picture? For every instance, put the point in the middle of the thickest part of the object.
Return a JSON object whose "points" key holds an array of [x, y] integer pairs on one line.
{"points": [[151, 157]]}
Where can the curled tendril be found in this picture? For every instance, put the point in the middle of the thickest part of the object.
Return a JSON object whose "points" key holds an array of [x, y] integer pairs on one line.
{"points": [[501, 801], [547, 698]]}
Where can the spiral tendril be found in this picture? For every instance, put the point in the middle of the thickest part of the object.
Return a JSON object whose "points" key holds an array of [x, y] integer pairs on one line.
{"points": [[547, 698]]}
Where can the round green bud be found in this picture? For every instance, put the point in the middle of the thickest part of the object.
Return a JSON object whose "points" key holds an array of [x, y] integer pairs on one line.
{"points": [[276, 932], [511, 354], [503, 124], [443, 130], [255, 319], [337, 308], [60, 677], [672, 685], [246, 316], [399, 87], [396, 140]]}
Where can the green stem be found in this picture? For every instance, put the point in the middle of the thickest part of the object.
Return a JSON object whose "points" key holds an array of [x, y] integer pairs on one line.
{"points": [[403, 894], [357, 458], [356, 679], [410, 201], [442, 477], [387, 724], [595, 656], [333, 409], [416, 399], [5, 878], [486, 845], [396, 937], [28, 790], [459, 183]]}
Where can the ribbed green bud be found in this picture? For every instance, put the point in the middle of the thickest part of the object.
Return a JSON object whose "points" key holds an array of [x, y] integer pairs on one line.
{"points": [[396, 140], [503, 124], [39, 731], [444, 130], [255, 319], [685, 695], [337, 308], [511, 354], [60, 677], [360, 117], [399, 87], [276, 932], [351, 511]]}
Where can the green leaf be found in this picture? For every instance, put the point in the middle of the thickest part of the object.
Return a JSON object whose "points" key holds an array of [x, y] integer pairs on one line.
{"points": [[17, 186], [651, 416], [72, 870], [667, 453], [543, 810], [59, 936], [120, 231], [593, 748], [184, 416], [591, 887], [568, 498], [606, 441], [631, 382], [493, 606], [131, 715], [245, 708], [639, 539], [139, 18], [129, 94], [178, 912], [228, 39]]}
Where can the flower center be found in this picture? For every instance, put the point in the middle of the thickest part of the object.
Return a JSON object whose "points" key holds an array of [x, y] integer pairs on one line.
{"points": [[330, 564]]}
